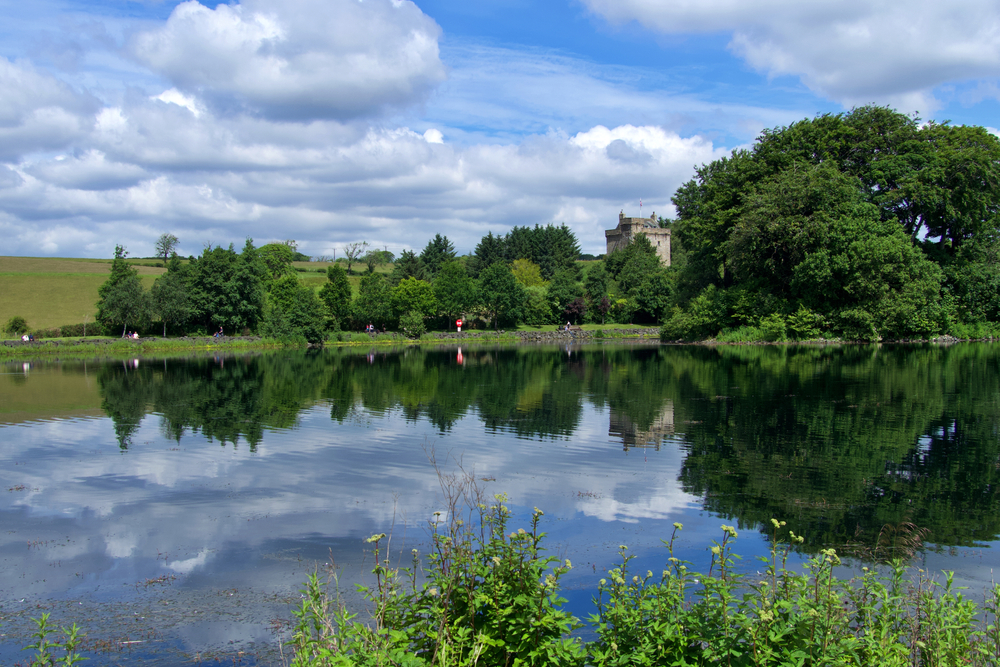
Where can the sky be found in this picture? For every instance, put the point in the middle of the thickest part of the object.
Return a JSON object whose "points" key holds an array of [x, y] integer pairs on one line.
{"points": [[389, 121]]}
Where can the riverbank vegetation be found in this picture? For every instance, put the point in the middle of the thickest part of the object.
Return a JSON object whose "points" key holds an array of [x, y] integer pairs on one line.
{"points": [[486, 594]]}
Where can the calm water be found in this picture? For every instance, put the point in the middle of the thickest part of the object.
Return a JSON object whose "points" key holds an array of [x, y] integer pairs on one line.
{"points": [[179, 503]]}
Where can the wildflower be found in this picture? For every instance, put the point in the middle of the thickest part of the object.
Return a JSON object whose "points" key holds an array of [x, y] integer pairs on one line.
{"points": [[678, 525], [520, 531], [433, 592], [604, 582], [569, 565], [539, 512], [496, 559], [716, 550], [635, 579], [649, 574], [622, 547]]}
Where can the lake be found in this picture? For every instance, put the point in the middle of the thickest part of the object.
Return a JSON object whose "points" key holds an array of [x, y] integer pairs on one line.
{"points": [[173, 507]]}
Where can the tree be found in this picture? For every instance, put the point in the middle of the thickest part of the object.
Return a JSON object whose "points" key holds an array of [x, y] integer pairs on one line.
{"points": [[227, 288], [490, 250], [455, 291], [166, 246], [336, 294], [352, 251], [169, 296], [277, 259], [564, 290], [16, 326], [527, 273], [376, 258], [374, 302], [407, 266], [121, 272], [501, 296], [438, 251], [293, 310], [126, 302], [412, 295]]}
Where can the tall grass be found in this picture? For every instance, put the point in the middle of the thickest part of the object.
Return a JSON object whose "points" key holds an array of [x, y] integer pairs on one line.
{"points": [[490, 596]]}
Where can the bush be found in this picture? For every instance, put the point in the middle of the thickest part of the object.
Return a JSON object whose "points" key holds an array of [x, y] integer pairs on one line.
{"points": [[491, 597], [16, 326], [412, 324]]}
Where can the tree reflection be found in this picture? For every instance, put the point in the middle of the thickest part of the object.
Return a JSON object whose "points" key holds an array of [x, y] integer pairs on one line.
{"points": [[838, 441]]}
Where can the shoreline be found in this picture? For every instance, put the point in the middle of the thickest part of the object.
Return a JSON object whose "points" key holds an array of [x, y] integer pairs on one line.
{"points": [[115, 347], [16, 349]]}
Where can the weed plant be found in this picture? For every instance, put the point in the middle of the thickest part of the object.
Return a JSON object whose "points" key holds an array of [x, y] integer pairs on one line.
{"points": [[51, 652], [491, 597]]}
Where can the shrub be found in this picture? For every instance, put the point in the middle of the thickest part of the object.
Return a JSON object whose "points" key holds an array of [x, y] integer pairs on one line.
{"points": [[491, 598], [16, 326], [412, 324]]}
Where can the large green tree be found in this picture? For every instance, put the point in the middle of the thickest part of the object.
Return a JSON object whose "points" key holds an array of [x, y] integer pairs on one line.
{"points": [[169, 296], [869, 220], [336, 294], [455, 291], [438, 251], [227, 288], [500, 295]]}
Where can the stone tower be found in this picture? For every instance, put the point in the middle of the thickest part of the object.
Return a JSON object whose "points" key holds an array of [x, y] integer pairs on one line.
{"points": [[628, 228]]}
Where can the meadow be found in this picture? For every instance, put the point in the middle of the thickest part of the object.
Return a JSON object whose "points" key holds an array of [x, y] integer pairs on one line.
{"points": [[54, 292]]}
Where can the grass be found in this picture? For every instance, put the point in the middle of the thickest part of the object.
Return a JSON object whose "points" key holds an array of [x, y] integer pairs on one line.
{"points": [[52, 292]]}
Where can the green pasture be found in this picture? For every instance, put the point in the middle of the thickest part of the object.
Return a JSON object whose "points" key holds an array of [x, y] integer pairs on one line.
{"points": [[53, 292]]}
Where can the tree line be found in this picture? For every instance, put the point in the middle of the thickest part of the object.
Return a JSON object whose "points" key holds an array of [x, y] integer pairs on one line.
{"points": [[531, 275]]}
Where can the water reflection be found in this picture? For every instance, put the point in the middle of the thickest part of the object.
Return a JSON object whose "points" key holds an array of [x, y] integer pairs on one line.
{"points": [[312, 449], [838, 440]]}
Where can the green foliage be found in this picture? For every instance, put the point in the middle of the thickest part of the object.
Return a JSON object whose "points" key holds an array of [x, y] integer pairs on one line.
{"points": [[277, 259], [293, 311], [169, 297], [16, 326], [596, 283], [336, 295], [374, 302], [166, 246], [563, 290], [538, 307], [412, 324], [437, 252], [501, 296], [490, 250], [46, 648], [407, 266], [825, 215], [492, 598], [488, 597], [227, 288], [414, 295], [527, 273], [455, 291], [704, 317]]}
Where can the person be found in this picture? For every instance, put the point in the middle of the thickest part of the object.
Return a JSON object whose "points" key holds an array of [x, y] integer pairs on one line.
{"points": [[135, 335], [219, 334], [24, 338], [567, 325]]}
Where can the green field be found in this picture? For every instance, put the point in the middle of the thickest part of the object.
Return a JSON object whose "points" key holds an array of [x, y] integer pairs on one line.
{"points": [[53, 292]]}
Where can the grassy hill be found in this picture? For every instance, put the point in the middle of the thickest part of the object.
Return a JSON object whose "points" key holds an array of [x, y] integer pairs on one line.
{"points": [[53, 292]]}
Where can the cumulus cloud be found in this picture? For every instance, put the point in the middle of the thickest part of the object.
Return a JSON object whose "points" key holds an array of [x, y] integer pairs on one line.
{"points": [[852, 51], [297, 59], [39, 112]]}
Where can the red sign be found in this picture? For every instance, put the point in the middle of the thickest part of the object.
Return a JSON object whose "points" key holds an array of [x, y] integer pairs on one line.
{"points": [[458, 323]]}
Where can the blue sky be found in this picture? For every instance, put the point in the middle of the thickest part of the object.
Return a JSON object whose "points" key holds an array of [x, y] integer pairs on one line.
{"points": [[387, 121]]}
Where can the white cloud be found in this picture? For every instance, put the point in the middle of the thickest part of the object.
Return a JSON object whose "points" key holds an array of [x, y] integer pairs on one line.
{"points": [[38, 112], [852, 51], [297, 59]]}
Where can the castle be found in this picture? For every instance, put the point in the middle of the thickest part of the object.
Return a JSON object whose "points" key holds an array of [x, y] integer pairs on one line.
{"points": [[628, 228]]}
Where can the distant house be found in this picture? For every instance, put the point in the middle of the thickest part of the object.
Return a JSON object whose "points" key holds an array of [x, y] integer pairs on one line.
{"points": [[628, 228]]}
